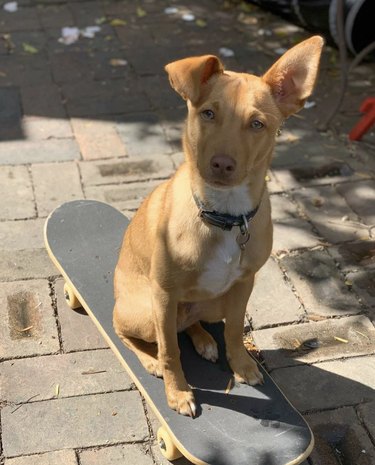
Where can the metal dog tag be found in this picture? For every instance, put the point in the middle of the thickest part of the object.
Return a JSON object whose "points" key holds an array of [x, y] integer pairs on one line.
{"points": [[244, 235]]}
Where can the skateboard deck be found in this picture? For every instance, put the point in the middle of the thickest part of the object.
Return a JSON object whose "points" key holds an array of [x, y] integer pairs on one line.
{"points": [[252, 425]]}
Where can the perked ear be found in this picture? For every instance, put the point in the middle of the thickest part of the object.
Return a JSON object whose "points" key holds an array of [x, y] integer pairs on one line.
{"points": [[188, 76], [292, 77]]}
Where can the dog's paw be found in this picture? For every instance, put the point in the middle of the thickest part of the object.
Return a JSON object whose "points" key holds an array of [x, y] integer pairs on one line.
{"points": [[246, 371], [205, 345], [183, 402], [153, 367]]}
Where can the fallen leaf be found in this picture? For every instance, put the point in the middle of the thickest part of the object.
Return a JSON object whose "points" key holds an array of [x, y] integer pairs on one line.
{"points": [[340, 339], [315, 317], [201, 23], [101, 20], [29, 48], [118, 62], [349, 283], [317, 201], [229, 386], [118, 22], [141, 12]]}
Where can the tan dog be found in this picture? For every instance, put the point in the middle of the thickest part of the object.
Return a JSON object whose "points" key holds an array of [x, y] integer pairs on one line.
{"points": [[177, 267]]}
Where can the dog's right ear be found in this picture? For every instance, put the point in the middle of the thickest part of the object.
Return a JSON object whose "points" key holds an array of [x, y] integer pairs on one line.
{"points": [[188, 76]]}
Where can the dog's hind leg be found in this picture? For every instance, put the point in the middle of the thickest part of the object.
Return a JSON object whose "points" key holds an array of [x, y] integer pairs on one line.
{"points": [[203, 342]]}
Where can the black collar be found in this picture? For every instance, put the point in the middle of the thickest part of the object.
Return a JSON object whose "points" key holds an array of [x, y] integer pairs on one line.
{"points": [[224, 220]]}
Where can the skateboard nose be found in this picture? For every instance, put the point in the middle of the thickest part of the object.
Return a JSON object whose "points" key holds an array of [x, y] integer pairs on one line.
{"points": [[223, 166]]}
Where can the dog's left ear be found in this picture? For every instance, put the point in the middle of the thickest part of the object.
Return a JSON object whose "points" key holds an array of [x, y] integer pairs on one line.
{"points": [[188, 76], [292, 77]]}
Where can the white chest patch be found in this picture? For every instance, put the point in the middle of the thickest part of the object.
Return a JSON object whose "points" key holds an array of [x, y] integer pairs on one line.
{"points": [[223, 268]]}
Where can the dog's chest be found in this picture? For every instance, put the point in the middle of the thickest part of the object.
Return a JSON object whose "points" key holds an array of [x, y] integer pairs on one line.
{"points": [[223, 268]]}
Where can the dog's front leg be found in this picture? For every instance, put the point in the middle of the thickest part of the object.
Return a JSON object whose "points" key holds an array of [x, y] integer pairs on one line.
{"points": [[178, 392], [245, 369]]}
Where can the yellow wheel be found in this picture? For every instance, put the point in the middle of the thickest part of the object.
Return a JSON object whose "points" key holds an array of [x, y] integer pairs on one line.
{"points": [[166, 445], [70, 297]]}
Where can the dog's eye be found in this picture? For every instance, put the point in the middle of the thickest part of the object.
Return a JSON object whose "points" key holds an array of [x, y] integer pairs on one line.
{"points": [[207, 115], [256, 124]]}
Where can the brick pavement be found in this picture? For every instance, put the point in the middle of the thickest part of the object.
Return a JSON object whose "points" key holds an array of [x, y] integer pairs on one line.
{"points": [[74, 125]]}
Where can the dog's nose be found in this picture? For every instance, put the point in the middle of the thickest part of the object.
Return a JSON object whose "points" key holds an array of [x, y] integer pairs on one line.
{"points": [[223, 165]]}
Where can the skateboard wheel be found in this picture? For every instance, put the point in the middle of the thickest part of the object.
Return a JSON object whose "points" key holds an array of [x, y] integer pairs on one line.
{"points": [[166, 445], [70, 297]]}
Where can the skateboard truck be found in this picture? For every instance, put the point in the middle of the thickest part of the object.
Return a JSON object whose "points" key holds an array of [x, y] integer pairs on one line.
{"points": [[365, 123]]}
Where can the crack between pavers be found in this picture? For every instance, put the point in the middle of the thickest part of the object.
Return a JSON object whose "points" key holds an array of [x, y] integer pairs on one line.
{"points": [[53, 296], [363, 423], [331, 409]]}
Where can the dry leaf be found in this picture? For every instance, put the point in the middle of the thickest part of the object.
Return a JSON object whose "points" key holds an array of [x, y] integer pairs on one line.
{"points": [[340, 339], [201, 23], [118, 22], [29, 48], [141, 12], [317, 201]]}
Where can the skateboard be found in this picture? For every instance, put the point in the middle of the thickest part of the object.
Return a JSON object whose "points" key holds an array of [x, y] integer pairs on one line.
{"points": [[235, 424]]}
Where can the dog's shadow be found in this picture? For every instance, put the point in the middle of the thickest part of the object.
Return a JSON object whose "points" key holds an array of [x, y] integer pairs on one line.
{"points": [[212, 387]]}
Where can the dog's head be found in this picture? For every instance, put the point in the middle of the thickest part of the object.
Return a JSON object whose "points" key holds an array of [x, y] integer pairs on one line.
{"points": [[234, 117]]}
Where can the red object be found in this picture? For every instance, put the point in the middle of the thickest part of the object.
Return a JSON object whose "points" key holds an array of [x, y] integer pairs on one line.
{"points": [[367, 120]]}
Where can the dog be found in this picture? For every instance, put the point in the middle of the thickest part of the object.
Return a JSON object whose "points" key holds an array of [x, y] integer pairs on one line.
{"points": [[192, 250]]}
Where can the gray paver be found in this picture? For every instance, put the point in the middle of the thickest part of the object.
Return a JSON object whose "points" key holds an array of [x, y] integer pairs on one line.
{"points": [[25, 264], [319, 284], [142, 134], [291, 234], [282, 208], [125, 170], [339, 434], [72, 322], [41, 128], [55, 183], [81, 373], [272, 300], [98, 139], [328, 385], [330, 214], [315, 342], [75, 422], [66, 457], [123, 197], [367, 414], [20, 235], [38, 151], [26, 305], [360, 196], [16, 193], [117, 455]]}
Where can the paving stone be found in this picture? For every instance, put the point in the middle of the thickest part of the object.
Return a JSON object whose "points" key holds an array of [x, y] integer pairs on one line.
{"points": [[316, 341], [25, 264], [291, 234], [367, 414], [357, 256], [340, 438], [72, 322], [125, 170], [24, 19], [85, 13], [123, 197], [81, 373], [42, 100], [67, 457], [330, 214], [11, 129], [98, 139], [142, 134], [98, 98], [54, 184], [21, 235], [133, 34], [76, 422], [161, 94], [36, 39], [38, 151], [173, 122], [117, 455], [40, 128], [273, 186], [52, 16], [319, 284], [30, 327], [328, 385], [10, 105], [16, 193], [360, 196], [272, 300], [178, 158], [283, 208], [363, 283], [23, 71]]}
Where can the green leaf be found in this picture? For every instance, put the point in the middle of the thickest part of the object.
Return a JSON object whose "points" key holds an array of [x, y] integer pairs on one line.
{"points": [[29, 48], [141, 12]]}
